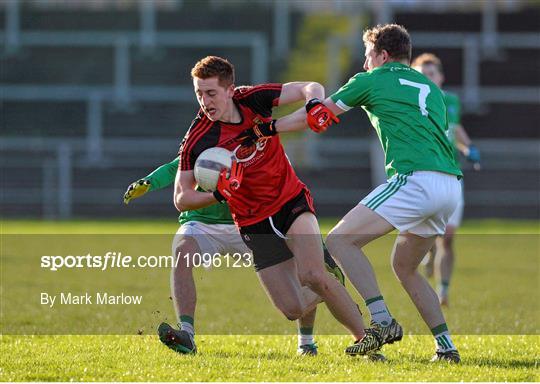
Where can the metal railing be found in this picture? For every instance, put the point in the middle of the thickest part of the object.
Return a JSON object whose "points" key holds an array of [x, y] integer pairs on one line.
{"points": [[473, 95], [147, 32], [122, 41], [471, 43], [122, 91], [61, 160]]}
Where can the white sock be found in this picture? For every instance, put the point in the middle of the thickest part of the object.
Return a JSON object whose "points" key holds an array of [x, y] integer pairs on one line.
{"points": [[305, 339], [443, 342], [378, 310], [185, 326]]}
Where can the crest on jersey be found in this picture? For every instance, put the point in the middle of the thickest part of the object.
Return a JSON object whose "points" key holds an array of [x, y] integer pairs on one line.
{"points": [[244, 153]]}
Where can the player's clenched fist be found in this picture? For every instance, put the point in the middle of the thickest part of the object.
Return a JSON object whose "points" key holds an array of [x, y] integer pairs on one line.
{"points": [[319, 117], [229, 183], [136, 189]]}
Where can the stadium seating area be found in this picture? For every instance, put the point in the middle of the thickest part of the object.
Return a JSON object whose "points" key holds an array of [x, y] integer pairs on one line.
{"points": [[152, 125]]}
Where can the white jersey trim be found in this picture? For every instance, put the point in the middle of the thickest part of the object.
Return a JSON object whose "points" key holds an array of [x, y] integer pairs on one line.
{"points": [[343, 106]]}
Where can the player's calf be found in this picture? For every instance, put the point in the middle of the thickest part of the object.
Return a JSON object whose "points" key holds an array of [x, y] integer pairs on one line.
{"points": [[332, 267], [292, 313]]}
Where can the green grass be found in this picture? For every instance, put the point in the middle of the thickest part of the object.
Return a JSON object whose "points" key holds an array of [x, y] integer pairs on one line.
{"points": [[150, 226], [259, 358], [495, 311]]}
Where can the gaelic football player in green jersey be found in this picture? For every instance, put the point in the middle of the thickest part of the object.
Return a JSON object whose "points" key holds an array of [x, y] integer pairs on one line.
{"points": [[442, 255], [408, 113], [207, 230]]}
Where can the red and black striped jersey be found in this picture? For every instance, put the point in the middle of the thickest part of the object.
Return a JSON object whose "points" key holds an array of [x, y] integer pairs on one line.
{"points": [[269, 180]]}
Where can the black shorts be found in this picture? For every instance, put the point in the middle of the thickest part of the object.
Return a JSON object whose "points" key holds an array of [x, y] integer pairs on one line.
{"points": [[267, 237]]}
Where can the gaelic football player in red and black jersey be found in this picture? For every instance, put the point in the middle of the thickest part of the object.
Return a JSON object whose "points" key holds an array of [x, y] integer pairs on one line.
{"points": [[272, 208]]}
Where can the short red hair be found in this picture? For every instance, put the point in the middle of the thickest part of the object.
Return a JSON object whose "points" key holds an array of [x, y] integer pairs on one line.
{"points": [[214, 66]]}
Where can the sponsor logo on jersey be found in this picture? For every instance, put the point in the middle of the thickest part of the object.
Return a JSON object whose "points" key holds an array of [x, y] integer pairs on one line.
{"points": [[248, 153]]}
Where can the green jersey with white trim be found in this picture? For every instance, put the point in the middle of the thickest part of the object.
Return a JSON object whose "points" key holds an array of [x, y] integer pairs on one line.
{"points": [[408, 113], [453, 111], [213, 214]]}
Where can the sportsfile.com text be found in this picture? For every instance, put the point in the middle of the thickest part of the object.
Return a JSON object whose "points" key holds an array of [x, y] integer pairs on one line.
{"points": [[117, 260]]}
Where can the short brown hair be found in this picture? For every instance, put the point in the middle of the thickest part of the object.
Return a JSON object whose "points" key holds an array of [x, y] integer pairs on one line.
{"points": [[427, 59], [212, 66], [393, 38]]}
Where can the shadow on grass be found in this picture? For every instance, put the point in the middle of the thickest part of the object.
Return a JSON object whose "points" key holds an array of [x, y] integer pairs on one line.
{"points": [[466, 361], [499, 363], [267, 355]]}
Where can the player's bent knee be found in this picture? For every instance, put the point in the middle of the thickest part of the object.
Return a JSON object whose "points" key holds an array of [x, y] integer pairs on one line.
{"points": [[333, 245], [292, 312], [316, 280], [335, 242], [292, 316]]}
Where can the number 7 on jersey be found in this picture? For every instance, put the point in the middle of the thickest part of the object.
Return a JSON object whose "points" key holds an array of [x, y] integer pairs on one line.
{"points": [[422, 96]]}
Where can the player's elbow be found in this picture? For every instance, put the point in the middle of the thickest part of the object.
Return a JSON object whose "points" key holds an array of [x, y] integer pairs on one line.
{"points": [[180, 202], [314, 88]]}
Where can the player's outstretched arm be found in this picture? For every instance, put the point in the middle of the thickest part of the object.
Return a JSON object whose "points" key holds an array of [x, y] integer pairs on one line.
{"points": [[136, 189], [294, 92], [291, 92], [161, 177], [316, 115], [466, 147], [300, 91], [462, 138]]}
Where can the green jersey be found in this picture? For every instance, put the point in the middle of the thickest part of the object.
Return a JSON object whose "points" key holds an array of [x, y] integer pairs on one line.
{"points": [[214, 214], [453, 110], [408, 112]]}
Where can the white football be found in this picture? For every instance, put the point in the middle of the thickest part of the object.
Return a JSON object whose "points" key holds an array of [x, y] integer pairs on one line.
{"points": [[208, 166]]}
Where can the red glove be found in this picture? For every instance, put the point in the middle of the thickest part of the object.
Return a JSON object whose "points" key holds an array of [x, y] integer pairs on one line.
{"points": [[227, 185], [319, 117]]}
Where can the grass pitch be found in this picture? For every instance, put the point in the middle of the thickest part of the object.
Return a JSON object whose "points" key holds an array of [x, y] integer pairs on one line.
{"points": [[260, 358], [495, 287]]}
